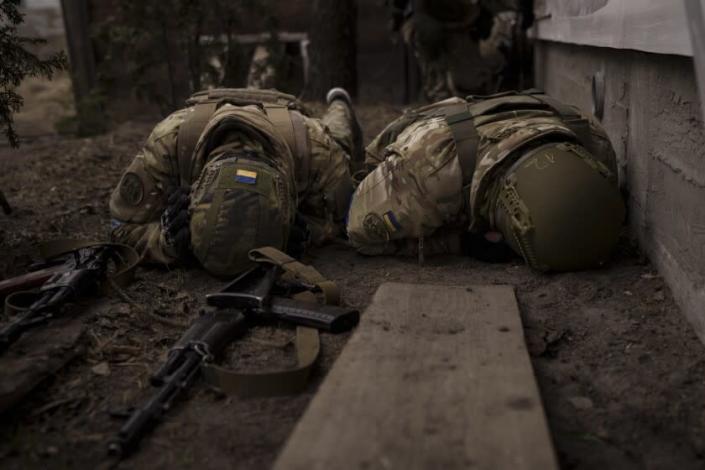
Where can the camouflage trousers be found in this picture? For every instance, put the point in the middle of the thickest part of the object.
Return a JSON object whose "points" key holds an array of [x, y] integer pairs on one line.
{"points": [[342, 125]]}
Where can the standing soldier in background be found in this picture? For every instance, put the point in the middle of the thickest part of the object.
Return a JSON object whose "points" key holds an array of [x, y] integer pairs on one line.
{"points": [[463, 46]]}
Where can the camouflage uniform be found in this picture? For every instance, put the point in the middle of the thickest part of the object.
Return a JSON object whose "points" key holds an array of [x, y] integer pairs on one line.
{"points": [[453, 58], [322, 190], [416, 196]]}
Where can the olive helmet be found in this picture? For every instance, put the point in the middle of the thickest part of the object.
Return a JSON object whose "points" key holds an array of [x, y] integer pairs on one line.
{"points": [[559, 208], [239, 202]]}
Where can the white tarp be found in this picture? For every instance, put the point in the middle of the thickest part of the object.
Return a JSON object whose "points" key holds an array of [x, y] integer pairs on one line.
{"points": [[658, 26]]}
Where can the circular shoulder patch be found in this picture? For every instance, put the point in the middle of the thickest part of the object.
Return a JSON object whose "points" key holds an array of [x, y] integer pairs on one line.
{"points": [[131, 189], [375, 227]]}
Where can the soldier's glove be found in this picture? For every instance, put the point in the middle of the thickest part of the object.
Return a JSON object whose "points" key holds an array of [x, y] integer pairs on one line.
{"points": [[299, 237], [175, 223]]}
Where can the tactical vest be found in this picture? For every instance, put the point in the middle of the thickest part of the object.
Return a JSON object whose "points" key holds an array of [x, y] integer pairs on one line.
{"points": [[283, 110], [460, 116]]}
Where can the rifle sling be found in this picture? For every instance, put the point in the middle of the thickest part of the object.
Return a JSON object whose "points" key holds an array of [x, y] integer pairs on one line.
{"points": [[288, 381], [127, 260], [298, 270], [282, 382], [460, 120]]}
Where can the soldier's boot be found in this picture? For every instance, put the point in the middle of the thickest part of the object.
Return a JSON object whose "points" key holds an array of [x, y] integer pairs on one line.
{"points": [[341, 120]]}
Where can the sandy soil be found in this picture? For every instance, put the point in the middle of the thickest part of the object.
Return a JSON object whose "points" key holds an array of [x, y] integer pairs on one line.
{"points": [[619, 369]]}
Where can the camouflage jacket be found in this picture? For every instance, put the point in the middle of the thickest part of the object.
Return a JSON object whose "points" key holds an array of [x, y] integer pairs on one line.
{"points": [[417, 190], [139, 200]]}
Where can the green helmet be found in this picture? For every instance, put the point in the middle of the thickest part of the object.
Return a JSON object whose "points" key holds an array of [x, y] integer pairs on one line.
{"points": [[238, 203], [559, 208]]}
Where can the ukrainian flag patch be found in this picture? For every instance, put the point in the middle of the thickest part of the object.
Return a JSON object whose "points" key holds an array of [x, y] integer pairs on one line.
{"points": [[391, 221], [246, 177]]}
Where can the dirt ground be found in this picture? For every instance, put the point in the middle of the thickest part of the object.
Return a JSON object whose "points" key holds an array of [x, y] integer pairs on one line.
{"points": [[619, 369]]}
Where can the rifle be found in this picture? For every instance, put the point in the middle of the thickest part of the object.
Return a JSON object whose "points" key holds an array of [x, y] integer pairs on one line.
{"points": [[34, 278], [86, 269], [257, 294]]}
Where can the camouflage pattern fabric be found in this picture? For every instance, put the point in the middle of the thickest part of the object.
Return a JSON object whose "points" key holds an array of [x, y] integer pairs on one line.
{"points": [[262, 73], [415, 195], [140, 198]]}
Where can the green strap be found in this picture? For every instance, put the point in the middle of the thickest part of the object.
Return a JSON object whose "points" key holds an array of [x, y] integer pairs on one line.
{"points": [[298, 270], [271, 383], [288, 381], [190, 131], [467, 140], [459, 117]]}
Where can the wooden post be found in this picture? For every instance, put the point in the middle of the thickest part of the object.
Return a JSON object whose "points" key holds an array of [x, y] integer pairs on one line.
{"points": [[695, 10], [333, 48], [83, 68]]}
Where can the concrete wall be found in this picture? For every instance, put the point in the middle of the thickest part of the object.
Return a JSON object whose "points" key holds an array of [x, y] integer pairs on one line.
{"points": [[652, 114], [646, 25]]}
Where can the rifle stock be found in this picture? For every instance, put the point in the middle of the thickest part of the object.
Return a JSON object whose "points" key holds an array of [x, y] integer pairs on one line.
{"points": [[80, 278], [27, 281]]}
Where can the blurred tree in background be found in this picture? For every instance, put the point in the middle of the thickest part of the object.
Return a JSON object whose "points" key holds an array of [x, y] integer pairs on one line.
{"points": [[17, 63], [166, 49], [333, 48]]}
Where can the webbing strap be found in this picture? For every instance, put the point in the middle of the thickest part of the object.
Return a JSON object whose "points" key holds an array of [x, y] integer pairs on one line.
{"points": [[280, 118], [189, 133], [568, 114], [288, 381], [300, 271], [270, 383], [126, 261], [302, 149], [459, 118], [467, 140], [290, 125]]}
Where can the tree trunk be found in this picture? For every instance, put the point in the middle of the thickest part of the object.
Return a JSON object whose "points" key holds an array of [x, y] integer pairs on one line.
{"points": [[333, 47]]}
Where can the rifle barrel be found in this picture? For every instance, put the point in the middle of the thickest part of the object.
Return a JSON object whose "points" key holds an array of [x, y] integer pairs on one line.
{"points": [[142, 420]]}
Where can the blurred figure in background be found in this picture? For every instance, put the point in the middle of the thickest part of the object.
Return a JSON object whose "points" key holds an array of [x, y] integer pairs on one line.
{"points": [[464, 46]]}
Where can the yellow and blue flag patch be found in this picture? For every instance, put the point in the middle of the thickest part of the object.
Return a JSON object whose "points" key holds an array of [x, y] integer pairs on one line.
{"points": [[391, 221], [246, 177]]}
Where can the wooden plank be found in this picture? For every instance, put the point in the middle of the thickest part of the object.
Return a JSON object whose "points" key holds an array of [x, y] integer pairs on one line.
{"points": [[434, 377], [37, 355]]}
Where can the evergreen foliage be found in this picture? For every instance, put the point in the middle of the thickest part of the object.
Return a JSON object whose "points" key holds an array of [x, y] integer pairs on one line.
{"points": [[159, 46], [17, 63]]}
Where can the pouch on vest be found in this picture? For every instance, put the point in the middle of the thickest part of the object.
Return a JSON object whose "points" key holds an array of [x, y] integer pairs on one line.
{"points": [[237, 204]]}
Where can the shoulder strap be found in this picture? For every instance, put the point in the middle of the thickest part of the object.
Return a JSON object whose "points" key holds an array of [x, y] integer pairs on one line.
{"points": [[288, 381], [189, 133], [467, 140], [459, 117], [290, 124]]}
